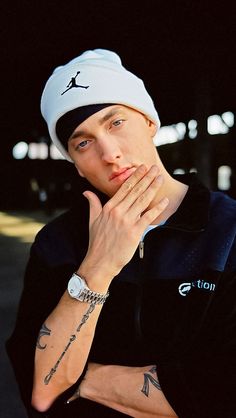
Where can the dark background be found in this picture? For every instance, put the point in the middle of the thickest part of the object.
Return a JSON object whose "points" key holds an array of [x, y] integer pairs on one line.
{"points": [[183, 50]]}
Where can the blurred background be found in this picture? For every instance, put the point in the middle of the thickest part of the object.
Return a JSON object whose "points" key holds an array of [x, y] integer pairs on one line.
{"points": [[185, 53]]}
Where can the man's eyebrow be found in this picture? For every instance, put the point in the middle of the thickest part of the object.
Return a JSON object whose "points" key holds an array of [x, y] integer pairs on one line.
{"points": [[109, 115], [112, 112], [77, 134]]}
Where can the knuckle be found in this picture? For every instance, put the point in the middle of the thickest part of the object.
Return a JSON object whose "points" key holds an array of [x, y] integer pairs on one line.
{"points": [[107, 207], [163, 203], [138, 190], [116, 213], [142, 198], [148, 217], [127, 186]]}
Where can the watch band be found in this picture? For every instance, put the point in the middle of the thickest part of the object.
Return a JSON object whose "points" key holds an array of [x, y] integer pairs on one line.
{"points": [[85, 294], [89, 296]]}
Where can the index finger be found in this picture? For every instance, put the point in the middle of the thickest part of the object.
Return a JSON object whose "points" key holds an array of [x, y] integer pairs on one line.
{"points": [[127, 187]]}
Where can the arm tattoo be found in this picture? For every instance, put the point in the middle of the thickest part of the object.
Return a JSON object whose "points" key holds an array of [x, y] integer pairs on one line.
{"points": [[72, 338], [44, 331], [148, 378]]}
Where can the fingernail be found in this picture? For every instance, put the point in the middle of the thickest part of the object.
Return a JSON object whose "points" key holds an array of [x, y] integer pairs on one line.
{"points": [[142, 168], [159, 179], [165, 201], [154, 169]]}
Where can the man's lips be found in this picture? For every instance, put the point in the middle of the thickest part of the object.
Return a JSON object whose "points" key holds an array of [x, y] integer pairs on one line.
{"points": [[122, 174]]}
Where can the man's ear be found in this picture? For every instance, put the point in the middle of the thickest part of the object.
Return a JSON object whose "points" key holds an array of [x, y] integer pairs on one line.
{"points": [[153, 127]]}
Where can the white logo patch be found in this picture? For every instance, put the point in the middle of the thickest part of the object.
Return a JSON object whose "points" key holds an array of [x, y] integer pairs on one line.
{"points": [[185, 288]]}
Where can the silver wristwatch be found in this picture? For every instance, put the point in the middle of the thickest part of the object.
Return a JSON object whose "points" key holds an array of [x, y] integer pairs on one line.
{"points": [[78, 289]]}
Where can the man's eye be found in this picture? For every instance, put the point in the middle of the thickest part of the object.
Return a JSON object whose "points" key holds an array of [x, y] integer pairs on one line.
{"points": [[117, 122], [82, 144]]}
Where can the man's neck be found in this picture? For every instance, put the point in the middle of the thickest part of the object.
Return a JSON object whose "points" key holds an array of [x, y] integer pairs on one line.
{"points": [[175, 191]]}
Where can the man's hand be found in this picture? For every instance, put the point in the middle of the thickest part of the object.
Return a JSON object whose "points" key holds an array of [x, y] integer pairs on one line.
{"points": [[116, 229], [134, 391]]}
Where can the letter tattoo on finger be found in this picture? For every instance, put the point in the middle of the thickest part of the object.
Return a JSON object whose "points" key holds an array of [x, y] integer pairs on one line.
{"points": [[149, 378]]}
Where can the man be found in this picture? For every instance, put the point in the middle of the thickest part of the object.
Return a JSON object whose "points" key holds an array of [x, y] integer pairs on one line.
{"points": [[130, 309]]}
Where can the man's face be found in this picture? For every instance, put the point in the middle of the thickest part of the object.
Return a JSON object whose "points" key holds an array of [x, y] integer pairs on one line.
{"points": [[108, 146]]}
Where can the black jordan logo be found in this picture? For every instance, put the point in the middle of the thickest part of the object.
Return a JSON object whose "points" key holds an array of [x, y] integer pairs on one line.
{"points": [[72, 84]]}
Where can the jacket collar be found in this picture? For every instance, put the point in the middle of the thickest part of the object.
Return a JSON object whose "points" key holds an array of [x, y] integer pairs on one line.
{"points": [[193, 213]]}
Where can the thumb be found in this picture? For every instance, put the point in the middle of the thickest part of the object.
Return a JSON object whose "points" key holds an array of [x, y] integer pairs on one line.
{"points": [[95, 206]]}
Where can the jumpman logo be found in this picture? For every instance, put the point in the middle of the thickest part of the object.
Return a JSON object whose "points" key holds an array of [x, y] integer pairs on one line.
{"points": [[73, 84]]}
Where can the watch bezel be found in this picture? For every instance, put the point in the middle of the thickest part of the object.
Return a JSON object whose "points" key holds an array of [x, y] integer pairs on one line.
{"points": [[84, 294], [78, 284]]}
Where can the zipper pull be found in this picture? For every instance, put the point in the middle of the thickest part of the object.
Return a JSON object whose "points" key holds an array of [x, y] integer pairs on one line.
{"points": [[141, 249]]}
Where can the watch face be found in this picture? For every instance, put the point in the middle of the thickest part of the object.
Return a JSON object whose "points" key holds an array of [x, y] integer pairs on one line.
{"points": [[75, 286]]}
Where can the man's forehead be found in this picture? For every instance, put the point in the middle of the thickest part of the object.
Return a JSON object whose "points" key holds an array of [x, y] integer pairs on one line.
{"points": [[99, 117], [68, 122], [110, 111]]}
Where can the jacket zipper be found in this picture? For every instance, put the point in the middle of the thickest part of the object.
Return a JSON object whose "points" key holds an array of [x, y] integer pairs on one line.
{"points": [[141, 249], [141, 243]]}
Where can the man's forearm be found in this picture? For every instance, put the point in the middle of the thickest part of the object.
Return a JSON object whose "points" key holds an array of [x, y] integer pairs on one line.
{"points": [[65, 339], [134, 391], [62, 348]]}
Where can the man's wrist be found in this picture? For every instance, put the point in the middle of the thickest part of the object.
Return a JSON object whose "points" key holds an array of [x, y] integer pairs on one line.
{"points": [[78, 289], [98, 278], [90, 388]]}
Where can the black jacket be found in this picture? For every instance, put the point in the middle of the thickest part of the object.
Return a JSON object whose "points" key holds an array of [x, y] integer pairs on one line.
{"points": [[174, 308]]}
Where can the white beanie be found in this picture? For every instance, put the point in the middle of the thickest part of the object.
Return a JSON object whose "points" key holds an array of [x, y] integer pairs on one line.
{"points": [[94, 77]]}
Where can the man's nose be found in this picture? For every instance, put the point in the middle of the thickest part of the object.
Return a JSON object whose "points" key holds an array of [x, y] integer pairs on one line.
{"points": [[110, 150]]}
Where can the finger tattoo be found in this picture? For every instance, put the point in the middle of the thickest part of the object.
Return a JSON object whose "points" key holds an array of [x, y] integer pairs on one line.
{"points": [[149, 378]]}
